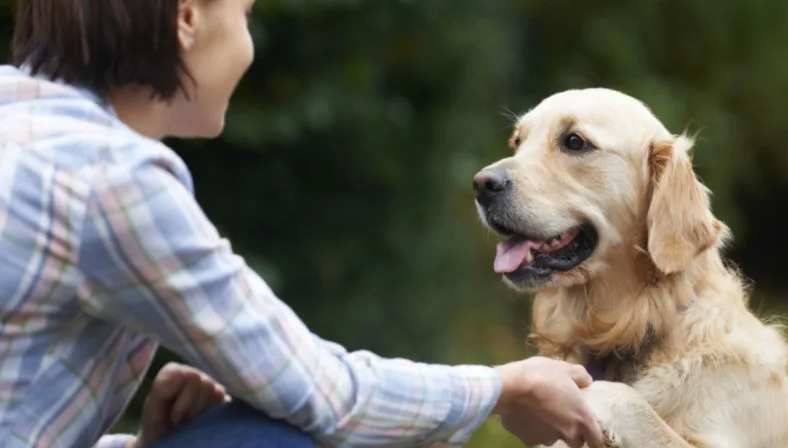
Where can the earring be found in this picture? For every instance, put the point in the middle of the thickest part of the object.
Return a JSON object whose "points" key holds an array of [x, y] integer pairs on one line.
{"points": [[189, 42]]}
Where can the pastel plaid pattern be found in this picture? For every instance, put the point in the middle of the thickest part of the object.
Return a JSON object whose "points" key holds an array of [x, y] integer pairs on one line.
{"points": [[105, 253]]}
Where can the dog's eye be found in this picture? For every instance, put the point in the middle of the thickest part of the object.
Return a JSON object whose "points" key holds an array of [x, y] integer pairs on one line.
{"points": [[515, 141], [574, 142]]}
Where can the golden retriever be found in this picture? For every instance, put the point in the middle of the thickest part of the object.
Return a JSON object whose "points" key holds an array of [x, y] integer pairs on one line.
{"points": [[602, 215]]}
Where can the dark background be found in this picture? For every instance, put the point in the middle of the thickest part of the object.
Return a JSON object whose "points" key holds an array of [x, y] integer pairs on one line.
{"points": [[344, 173]]}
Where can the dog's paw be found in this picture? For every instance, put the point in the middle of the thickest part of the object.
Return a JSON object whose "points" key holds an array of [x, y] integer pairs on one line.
{"points": [[611, 439], [611, 404]]}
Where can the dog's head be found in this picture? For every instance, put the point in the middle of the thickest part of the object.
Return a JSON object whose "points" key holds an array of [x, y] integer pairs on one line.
{"points": [[593, 173]]}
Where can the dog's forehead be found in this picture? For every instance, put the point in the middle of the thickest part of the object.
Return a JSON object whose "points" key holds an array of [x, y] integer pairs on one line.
{"points": [[598, 107]]}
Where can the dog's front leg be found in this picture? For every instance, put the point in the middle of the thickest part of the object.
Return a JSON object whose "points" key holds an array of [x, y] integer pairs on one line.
{"points": [[628, 418]]}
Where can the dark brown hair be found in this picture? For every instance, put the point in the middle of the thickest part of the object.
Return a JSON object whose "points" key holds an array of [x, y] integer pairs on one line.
{"points": [[102, 43]]}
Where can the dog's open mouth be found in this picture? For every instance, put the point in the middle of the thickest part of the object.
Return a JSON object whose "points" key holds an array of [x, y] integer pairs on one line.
{"points": [[523, 259]]}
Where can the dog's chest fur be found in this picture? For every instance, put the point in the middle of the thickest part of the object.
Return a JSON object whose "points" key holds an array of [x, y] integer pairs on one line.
{"points": [[741, 378]]}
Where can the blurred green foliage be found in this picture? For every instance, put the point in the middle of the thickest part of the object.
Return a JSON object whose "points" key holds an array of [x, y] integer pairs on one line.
{"points": [[344, 172]]}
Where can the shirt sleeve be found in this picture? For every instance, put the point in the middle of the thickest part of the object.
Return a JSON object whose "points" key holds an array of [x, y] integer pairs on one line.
{"points": [[153, 262]]}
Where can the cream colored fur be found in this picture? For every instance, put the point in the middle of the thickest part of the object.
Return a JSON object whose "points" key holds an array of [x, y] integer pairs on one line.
{"points": [[690, 365]]}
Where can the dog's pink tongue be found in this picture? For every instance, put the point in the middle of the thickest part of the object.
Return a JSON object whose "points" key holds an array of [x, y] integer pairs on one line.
{"points": [[509, 255]]}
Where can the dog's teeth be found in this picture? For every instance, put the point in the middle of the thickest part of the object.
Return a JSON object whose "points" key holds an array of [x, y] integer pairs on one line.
{"points": [[529, 257]]}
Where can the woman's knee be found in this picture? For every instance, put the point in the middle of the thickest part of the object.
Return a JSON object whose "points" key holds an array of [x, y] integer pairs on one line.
{"points": [[238, 425]]}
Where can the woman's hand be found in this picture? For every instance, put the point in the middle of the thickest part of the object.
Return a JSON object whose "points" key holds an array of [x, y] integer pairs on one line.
{"points": [[179, 393], [541, 403]]}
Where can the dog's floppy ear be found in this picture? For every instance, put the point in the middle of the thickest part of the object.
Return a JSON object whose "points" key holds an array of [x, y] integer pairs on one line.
{"points": [[680, 222]]}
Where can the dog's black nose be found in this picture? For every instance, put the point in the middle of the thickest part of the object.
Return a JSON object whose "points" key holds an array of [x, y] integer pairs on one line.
{"points": [[488, 184]]}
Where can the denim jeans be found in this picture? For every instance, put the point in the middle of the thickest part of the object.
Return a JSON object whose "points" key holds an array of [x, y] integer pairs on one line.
{"points": [[235, 425]]}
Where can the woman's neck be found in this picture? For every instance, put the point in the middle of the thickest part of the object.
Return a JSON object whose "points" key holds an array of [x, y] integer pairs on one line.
{"points": [[141, 110]]}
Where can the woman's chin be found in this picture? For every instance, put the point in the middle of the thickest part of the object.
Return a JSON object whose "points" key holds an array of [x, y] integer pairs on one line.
{"points": [[207, 130]]}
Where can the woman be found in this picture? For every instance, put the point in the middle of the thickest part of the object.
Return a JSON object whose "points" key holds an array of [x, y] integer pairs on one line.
{"points": [[105, 254]]}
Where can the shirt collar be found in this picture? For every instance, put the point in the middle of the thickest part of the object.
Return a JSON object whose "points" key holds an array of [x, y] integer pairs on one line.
{"points": [[85, 92]]}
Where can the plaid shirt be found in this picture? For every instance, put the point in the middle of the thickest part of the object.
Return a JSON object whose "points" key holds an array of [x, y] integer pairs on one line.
{"points": [[104, 253]]}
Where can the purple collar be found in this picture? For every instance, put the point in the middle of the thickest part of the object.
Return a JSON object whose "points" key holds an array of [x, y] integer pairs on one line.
{"points": [[596, 367]]}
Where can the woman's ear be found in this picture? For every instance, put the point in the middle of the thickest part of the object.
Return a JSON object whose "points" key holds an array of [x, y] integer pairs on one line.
{"points": [[188, 18], [680, 222]]}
